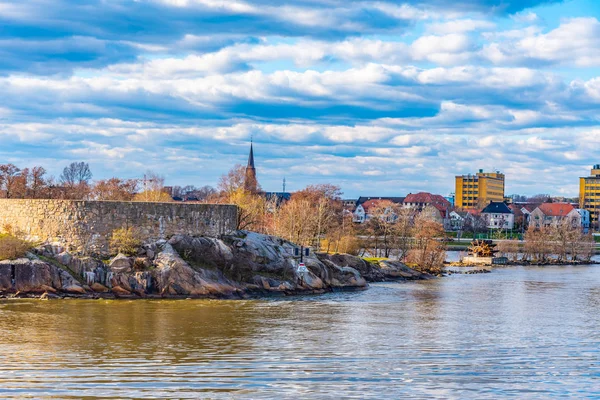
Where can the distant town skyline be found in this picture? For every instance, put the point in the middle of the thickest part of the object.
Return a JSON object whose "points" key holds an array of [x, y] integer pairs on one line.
{"points": [[381, 98]]}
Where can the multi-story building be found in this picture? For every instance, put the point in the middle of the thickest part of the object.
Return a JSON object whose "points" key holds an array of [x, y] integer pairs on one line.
{"points": [[589, 195], [476, 191]]}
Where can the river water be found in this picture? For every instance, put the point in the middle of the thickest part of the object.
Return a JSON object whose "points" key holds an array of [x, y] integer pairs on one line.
{"points": [[525, 332]]}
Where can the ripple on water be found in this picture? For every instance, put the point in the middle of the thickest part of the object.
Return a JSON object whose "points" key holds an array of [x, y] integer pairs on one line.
{"points": [[520, 332]]}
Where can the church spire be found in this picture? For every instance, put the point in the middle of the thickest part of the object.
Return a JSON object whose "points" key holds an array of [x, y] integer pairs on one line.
{"points": [[250, 182], [251, 156]]}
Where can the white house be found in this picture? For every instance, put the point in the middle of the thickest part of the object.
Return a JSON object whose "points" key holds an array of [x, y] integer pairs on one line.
{"points": [[360, 214], [498, 216]]}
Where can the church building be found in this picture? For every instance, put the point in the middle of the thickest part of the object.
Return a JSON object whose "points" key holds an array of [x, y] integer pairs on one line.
{"points": [[250, 182]]}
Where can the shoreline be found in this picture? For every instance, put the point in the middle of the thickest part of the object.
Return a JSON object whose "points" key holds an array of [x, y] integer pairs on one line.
{"points": [[245, 265]]}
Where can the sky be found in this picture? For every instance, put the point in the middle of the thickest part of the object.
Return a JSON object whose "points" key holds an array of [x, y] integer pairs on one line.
{"points": [[379, 97]]}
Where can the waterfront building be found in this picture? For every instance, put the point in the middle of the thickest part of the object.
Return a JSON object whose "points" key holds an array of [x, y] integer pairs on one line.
{"points": [[589, 195], [420, 201], [476, 191], [585, 219], [459, 220], [360, 211], [363, 212], [498, 216], [552, 214]]}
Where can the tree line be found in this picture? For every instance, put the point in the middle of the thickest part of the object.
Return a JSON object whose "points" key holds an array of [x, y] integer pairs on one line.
{"points": [[75, 183], [561, 241], [315, 217]]}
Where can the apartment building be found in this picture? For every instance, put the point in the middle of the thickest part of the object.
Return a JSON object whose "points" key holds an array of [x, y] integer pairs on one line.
{"points": [[589, 195], [476, 191]]}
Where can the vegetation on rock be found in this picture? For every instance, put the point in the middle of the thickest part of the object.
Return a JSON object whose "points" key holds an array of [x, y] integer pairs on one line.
{"points": [[125, 241], [12, 248]]}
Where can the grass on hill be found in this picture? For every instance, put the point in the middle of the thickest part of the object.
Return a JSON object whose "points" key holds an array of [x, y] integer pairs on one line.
{"points": [[374, 259]]}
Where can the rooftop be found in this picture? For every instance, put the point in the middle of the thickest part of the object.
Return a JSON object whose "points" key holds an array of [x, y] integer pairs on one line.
{"points": [[496, 207], [556, 209]]}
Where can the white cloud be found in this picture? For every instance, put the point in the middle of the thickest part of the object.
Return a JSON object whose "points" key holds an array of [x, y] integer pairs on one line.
{"points": [[459, 26], [574, 42], [448, 49], [525, 16]]}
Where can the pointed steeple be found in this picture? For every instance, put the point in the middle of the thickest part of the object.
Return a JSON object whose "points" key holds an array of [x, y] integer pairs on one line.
{"points": [[251, 156], [250, 183]]}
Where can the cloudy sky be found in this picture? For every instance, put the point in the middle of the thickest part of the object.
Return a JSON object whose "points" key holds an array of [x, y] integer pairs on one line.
{"points": [[380, 97]]}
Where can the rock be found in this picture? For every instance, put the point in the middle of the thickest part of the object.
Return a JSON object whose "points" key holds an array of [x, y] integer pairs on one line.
{"points": [[175, 277], [142, 263], [119, 291], [121, 264], [236, 265], [64, 258], [30, 276], [47, 288], [74, 289], [98, 288]]}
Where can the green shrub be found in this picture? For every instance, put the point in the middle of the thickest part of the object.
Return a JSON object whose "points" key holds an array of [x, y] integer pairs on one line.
{"points": [[126, 241], [12, 248]]}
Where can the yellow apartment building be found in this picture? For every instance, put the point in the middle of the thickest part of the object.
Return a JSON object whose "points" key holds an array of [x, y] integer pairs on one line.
{"points": [[589, 195], [474, 192]]}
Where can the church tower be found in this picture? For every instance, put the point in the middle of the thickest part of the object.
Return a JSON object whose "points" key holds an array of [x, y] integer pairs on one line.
{"points": [[250, 182]]}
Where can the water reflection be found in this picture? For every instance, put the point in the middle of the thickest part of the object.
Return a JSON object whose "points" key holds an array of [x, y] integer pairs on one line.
{"points": [[526, 332]]}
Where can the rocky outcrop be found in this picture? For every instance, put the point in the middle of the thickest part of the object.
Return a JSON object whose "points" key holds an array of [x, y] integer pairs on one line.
{"points": [[27, 275], [375, 271], [236, 266]]}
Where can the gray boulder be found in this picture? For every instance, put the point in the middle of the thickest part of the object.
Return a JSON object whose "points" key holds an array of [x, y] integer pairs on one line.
{"points": [[121, 264]]}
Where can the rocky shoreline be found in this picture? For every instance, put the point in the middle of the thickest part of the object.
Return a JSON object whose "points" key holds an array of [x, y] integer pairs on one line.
{"points": [[238, 266], [547, 263]]}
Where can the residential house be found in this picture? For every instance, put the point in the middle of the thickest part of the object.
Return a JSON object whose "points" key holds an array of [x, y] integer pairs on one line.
{"points": [[551, 214], [457, 220], [421, 200], [364, 211], [520, 217], [278, 197], [498, 216], [586, 219], [362, 199], [527, 209], [361, 214]]}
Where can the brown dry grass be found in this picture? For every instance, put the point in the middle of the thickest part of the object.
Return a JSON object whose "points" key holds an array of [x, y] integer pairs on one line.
{"points": [[12, 248]]}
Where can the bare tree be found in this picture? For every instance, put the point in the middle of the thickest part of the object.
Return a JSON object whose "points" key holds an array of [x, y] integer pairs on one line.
{"points": [[115, 189], [9, 179], [428, 253], [403, 231], [76, 173], [509, 249], [75, 179], [37, 182], [233, 180]]}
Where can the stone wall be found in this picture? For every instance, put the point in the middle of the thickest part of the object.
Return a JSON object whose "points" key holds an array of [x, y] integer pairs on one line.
{"points": [[88, 225]]}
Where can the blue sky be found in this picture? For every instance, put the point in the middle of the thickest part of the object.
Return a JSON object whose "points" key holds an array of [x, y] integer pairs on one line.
{"points": [[379, 97]]}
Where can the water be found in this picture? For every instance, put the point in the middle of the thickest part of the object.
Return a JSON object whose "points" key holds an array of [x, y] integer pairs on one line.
{"points": [[517, 332]]}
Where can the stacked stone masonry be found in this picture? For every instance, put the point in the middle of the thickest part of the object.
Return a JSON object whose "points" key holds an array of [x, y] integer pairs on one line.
{"points": [[88, 225]]}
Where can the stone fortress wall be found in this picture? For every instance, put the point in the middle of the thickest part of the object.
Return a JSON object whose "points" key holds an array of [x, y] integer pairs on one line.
{"points": [[88, 225]]}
